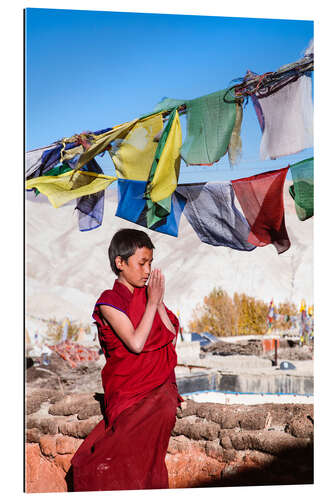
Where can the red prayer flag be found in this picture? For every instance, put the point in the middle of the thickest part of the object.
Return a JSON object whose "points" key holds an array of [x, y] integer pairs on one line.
{"points": [[261, 199]]}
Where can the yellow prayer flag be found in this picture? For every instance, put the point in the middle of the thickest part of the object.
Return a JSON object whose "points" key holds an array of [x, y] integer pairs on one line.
{"points": [[101, 141], [66, 187], [167, 171], [134, 154], [68, 154], [303, 306]]}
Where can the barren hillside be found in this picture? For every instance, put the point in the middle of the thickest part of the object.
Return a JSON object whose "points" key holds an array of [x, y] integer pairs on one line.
{"points": [[66, 270]]}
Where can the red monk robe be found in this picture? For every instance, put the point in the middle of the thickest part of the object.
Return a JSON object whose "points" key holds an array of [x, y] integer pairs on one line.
{"points": [[127, 449]]}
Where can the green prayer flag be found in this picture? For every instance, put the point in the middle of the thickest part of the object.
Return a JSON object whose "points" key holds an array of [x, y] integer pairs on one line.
{"points": [[210, 122], [302, 188], [157, 211]]}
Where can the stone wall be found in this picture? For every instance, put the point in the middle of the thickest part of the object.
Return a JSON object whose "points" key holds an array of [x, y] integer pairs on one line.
{"points": [[211, 444]]}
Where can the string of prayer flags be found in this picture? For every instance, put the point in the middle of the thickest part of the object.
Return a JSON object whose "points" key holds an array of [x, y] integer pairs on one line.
{"points": [[302, 188], [132, 207], [211, 211], [147, 159], [261, 199]]}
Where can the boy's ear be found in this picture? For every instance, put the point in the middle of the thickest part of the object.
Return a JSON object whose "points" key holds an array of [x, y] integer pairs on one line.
{"points": [[119, 262]]}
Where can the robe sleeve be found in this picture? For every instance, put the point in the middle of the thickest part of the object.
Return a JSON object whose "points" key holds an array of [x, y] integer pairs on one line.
{"points": [[108, 298], [173, 318]]}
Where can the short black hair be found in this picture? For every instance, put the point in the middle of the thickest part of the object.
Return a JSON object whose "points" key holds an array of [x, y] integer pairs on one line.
{"points": [[124, 243]]}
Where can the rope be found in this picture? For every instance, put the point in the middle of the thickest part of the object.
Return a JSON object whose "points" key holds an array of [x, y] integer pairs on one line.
{"points": [[271, 82]]}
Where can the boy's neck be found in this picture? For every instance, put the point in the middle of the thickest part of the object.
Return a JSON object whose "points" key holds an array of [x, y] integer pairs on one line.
{"points": [[126, 283]]}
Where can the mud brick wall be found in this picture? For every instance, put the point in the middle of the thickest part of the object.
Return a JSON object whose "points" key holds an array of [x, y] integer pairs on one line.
{"points": [[211, 444]]}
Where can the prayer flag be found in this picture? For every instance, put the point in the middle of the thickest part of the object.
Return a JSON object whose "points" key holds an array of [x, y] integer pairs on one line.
{"points": [[133, 155], [91, 207], [132, 207], [70, 185], [102, 141], [211, 211], [164, 172], [210, 122], [261, 199], [286, 119], [302, 188]]}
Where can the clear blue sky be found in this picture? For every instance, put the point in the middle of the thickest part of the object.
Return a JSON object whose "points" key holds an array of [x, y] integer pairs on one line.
{"points": [[88, 70]]}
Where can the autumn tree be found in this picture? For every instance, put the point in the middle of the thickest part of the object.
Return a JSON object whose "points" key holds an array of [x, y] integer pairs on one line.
{"points": [[223, 316], [251, 315], [216, 315]]}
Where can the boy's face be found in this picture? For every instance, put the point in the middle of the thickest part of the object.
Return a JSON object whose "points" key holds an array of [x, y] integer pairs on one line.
{"points": [[135, 272]]}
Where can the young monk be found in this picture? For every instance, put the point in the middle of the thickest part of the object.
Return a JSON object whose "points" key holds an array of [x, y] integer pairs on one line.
{"points": [[137, 333]]}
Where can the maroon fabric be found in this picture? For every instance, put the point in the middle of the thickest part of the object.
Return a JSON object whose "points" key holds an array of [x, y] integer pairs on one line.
{"points": [[131, 454], [261, 199], [127, 377], [141, 397]]}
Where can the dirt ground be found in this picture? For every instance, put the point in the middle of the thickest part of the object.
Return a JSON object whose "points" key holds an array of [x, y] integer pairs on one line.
{"points": [[58, 375], [86, 377]]}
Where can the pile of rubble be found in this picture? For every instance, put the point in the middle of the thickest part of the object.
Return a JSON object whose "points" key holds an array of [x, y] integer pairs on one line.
{"points": [[74, 353], [254, 347], [245, 348]]}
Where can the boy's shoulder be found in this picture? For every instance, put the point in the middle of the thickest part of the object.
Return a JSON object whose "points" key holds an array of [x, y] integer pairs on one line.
{"points": [[118, 297], [108, 296], [106, 293]]}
